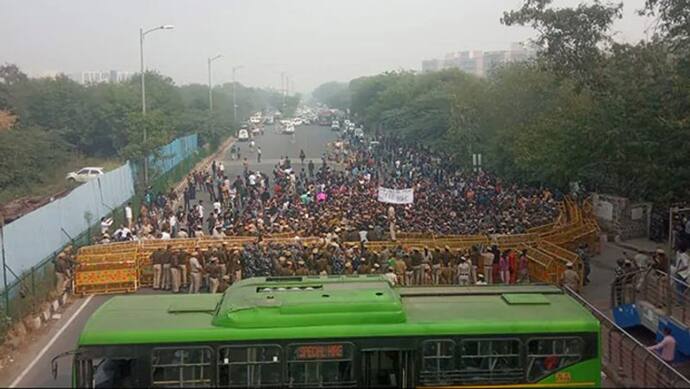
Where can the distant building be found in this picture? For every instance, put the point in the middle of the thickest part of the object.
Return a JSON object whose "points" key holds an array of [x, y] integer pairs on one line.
{"points": [[479, 62], [96, 77]]}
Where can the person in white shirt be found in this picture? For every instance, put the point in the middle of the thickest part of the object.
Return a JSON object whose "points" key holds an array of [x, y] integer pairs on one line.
{"points": [[129, 215], [105, 224], [217, 206], [200, 210], [252, 179], [391, 277], [165, 235]]}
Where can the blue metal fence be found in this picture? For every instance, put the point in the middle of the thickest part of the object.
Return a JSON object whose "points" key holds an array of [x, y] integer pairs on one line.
{"points": [[170, 155]]}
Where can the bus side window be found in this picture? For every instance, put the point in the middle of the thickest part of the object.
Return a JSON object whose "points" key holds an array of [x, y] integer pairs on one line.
{"points": [[323, 364], [491, 360], [181, 366], [548, 355], [250, 366], [438, 361]]}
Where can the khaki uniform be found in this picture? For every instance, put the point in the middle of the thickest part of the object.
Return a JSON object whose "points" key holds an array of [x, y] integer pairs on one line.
{"points": [[157, 268], [571, 279], [175, 272]]}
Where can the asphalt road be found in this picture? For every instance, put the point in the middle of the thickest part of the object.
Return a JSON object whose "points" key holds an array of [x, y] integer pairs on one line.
{"points": [[311, 139], [32, 365]]}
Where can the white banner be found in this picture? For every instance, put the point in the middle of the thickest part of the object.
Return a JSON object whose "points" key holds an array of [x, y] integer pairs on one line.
{"points": [[396, 196]]}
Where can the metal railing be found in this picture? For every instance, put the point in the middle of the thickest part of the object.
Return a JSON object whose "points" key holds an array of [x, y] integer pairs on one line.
{"points": [[654, 287], [628, 362]]}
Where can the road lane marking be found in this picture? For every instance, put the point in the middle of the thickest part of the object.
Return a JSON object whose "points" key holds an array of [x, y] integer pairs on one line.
{"points": [[47, 346]]}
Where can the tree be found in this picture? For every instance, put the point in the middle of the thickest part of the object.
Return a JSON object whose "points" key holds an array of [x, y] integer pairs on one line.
{"points": [[333, 94], [673, 18], [570, 38]]}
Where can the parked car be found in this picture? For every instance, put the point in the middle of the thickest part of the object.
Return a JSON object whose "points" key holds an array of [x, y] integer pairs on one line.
{"points": [[297, 121], [289, 129], [85, 174], [243, 135]]}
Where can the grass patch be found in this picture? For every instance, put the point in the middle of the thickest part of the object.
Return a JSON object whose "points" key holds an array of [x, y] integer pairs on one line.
{"points": [[53, 181]]}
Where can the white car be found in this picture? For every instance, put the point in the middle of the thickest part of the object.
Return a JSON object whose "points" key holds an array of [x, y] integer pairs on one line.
{"points": [[85, 174], [289, 129], [335, 125], [243, 135], [297, 121]]}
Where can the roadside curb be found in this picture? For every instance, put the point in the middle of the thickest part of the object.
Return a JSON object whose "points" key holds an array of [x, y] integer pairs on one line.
{"points": [[49, 311]]}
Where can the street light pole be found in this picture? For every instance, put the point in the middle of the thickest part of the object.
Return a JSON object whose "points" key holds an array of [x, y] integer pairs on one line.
{"points": [[234, 97], [142, 34], [210, 83]]}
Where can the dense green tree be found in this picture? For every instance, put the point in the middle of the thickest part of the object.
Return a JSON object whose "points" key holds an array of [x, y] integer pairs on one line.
{"points": [[333, 94]]}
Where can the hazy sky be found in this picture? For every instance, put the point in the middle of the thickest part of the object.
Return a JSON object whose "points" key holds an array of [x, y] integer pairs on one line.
{"points": [[311, 40]]}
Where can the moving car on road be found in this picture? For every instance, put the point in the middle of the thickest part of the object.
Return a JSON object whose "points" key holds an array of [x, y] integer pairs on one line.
{"points": [[288, 129], [335, 125], [84, 174], [243, 135]]}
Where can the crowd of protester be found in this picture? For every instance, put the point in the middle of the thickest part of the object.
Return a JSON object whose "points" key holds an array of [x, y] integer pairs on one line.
{"points": [[307, 199], [336, 199]]}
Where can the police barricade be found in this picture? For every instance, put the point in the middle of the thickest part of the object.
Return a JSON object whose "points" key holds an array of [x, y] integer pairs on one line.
{"points": [[108, 248], [542, 266], [513, 241], [548, 250], [106, 273]]}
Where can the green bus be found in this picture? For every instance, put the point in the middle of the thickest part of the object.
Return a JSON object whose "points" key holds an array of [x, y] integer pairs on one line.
{"points": [[342, 331]]}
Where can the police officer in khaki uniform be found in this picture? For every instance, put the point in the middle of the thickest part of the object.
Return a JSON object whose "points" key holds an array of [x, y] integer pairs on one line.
{"points": [[175, 271], [570, 278], [165, 260], [157, 262], [214, 274]]}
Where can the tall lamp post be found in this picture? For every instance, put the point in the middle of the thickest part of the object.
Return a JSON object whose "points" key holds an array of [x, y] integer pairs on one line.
{"points": [[142, 34], [234, 95], [210, 83]]}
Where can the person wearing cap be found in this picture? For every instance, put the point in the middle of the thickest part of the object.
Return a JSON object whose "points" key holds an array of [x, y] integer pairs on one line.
{"points": [[391, 277], [464, 272], [570, 278], [175, 259], [165, 260], [487, 265], [195, 272], [214, 274], [61, 273], [157, 263]]}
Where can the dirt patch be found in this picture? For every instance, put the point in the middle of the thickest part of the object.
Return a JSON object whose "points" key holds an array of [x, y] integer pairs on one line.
{"points": [[7, 120], [21, 206]]}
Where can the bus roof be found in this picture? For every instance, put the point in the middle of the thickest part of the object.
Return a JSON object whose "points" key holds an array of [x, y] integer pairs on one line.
{"points": [[333, 307]]}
